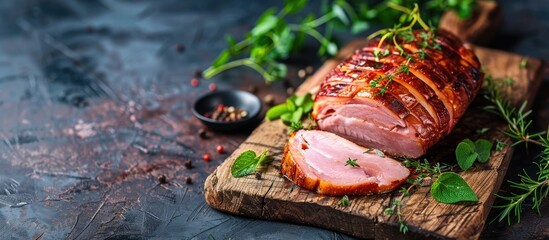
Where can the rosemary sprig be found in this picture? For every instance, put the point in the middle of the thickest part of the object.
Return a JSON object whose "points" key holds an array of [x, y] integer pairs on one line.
{"points": [[535, 188]]}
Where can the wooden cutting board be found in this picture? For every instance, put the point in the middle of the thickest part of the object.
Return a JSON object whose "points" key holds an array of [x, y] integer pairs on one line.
{"points": [[275, 198]]}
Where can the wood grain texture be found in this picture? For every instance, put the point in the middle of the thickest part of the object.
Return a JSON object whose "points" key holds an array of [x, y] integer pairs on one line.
{"points": [[275, 198], [480, 28]]}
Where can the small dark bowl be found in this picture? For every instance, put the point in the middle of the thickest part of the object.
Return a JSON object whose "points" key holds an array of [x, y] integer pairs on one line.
{"points": [[236, 98]]}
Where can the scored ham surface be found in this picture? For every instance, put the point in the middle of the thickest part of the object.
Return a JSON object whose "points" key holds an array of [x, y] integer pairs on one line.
{"points": [[421, 102], [316, 160]]}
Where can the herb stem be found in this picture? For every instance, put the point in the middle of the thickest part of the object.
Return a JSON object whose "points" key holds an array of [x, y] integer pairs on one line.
{"points": [[212, 71], [314, 23]]}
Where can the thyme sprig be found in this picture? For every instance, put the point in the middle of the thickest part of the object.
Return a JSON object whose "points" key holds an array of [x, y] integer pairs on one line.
{"points": [[536, 187], [389, 77], [423, 170], [412, 17]]}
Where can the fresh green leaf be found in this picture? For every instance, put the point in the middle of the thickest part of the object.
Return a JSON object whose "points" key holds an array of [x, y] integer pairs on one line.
{"points": [[331, 48], [359, 27], [293, 6], [483, 148], [258, 53], [344, 201], [263, 160], [291, 103], [264, 25], [244, 164], [500, 145], [230, 41], [276, 111], [300, 100], [247, 162], [451, 188], [295, 126], [296, 116], [465, 154], [308, 106], [222, 58], [286, 117], [340, 14], [279, 71], [284, 42]]}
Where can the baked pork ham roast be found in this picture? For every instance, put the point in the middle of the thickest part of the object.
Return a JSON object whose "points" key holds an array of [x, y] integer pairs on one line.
{"points": [[324, 162], [401, 102]]}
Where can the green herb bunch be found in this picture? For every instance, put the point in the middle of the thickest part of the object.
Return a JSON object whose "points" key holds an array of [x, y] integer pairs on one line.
{"points": [[274, 38]]}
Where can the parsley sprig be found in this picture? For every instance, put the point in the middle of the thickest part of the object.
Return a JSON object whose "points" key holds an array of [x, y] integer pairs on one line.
{"points": [[274, 37]]}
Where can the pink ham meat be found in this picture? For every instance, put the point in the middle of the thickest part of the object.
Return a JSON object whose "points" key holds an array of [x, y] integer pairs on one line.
{"points": [[315, 160], [419, 107]]}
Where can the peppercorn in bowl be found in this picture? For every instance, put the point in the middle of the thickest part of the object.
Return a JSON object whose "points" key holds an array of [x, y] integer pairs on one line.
{"points": [[228, 110]]}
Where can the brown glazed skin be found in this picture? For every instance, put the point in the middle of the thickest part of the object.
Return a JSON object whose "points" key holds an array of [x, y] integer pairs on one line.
{"points": [[431, 98]]}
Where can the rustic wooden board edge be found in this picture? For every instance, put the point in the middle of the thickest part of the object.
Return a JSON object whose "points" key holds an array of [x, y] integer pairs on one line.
{"points": [[258, 204]]}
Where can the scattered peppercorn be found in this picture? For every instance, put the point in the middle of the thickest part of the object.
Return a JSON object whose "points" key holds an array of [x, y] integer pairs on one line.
{"points": [[194, 82], [269, 100], [309, 69], [212, 87], [219, 149], [301, 73], [189, 180], [206, 157], [180, 48], [197, 73], [258, 175], [188, 164], [290, 91], [252, 89], [90, 28], [202, 132], [162, 179]]}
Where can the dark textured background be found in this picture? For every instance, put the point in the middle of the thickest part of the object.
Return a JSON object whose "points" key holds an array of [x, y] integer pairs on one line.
{"points": [[95, 105]]}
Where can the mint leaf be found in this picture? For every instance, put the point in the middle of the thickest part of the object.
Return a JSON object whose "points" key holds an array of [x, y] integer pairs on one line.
{"points": [[244, 164], [264, 25], [359, 26], [286, 117], [293, 6], [299, 101], [247, 162], [467, 152], [466, 155], [296, 116], [221, 59], [483, 148], [276, 111], [451, 188]]}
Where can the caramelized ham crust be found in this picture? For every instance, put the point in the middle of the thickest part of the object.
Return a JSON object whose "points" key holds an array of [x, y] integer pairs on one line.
{"points": [[400, 103], [316, 160]]}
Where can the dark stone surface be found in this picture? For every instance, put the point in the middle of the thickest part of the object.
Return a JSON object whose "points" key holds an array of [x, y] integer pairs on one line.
{"points": [[95, 101]]}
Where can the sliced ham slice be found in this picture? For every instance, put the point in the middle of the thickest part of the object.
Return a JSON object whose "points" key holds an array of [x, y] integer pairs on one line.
{"points": [[316, 160]]}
